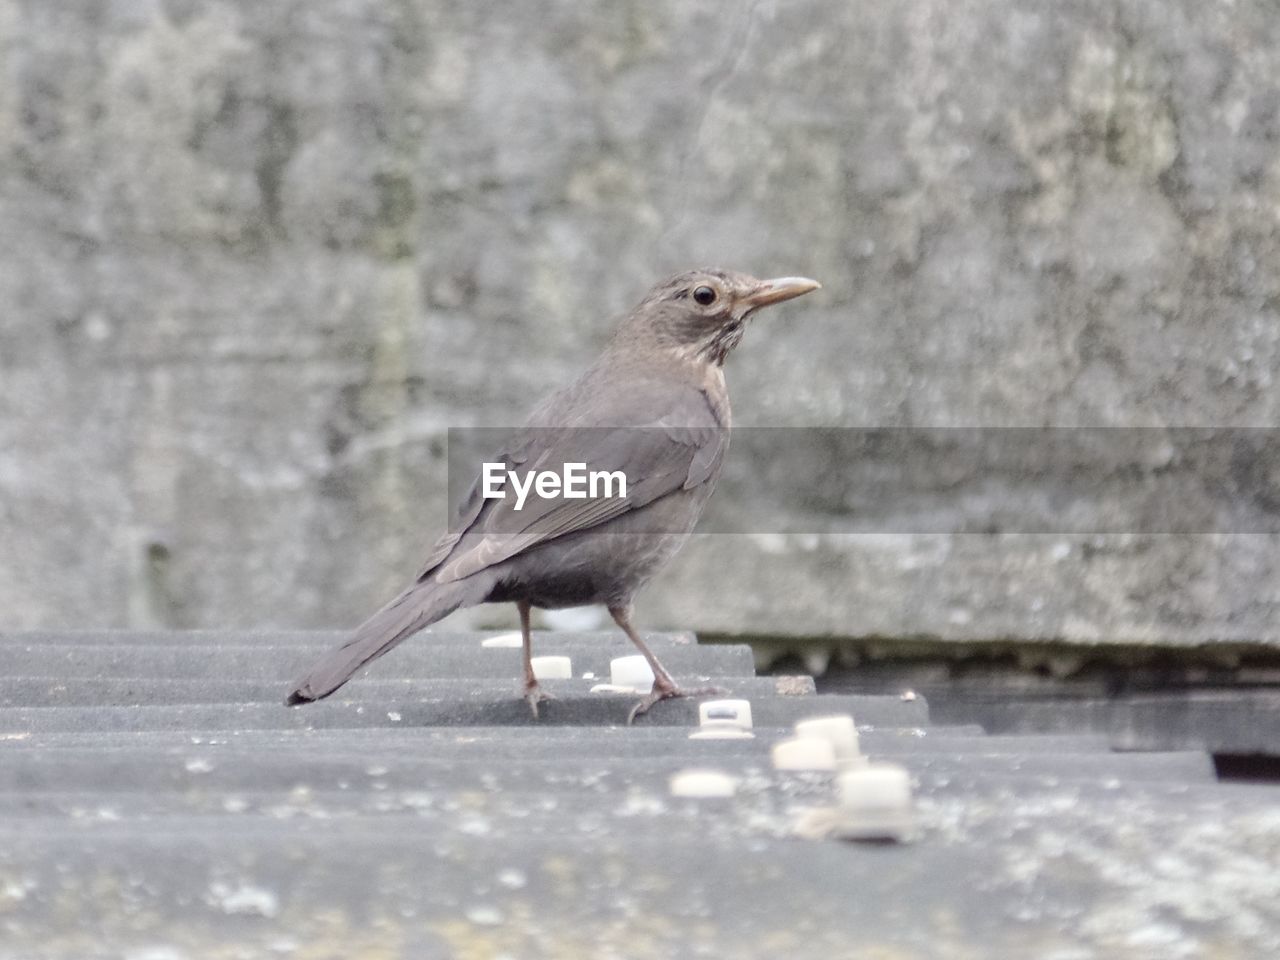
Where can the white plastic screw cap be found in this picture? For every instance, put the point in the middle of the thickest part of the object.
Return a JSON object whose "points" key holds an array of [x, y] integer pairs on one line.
{"points": [[552, 668], [703, 784], [503, 640], [633, 672], [804, 753], [875, 803], [837, 730], [878, 785], [721, 730], [737, 712]]}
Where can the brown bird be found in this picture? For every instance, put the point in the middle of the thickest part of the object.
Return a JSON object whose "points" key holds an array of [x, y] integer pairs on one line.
{"points": [[653, 406]]}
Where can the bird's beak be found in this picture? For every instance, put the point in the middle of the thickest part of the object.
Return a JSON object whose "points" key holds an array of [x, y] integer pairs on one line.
{"points": [[775, 291]]}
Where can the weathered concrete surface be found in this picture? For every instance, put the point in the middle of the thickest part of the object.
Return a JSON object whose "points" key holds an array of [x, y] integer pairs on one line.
{"points": [[256, 258]]}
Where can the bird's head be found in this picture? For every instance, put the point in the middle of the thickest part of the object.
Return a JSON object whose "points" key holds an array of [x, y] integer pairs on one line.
{"points": [[701, 315]]}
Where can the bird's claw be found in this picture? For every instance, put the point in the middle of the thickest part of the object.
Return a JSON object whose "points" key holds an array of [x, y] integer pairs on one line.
{"points": [[662, 692], [534, 695]]}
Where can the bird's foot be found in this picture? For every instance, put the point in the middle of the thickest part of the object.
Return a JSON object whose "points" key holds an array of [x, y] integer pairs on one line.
{"points": [[669, 691], [534, 695]]}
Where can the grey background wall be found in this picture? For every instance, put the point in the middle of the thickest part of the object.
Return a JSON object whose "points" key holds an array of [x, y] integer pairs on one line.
{"points": [[255, 258]]}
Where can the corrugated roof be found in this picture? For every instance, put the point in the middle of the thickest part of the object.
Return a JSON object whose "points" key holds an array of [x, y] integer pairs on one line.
{"points": [[158, 802]]}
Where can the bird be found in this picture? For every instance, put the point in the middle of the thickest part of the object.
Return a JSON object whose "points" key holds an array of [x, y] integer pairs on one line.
{"points": [[654, 405]]}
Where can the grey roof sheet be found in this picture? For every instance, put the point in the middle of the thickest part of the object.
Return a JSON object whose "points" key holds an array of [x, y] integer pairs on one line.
{"points": [[170, 809]]}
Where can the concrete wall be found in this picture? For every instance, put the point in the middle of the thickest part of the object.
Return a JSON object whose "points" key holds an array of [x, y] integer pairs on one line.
{"points": [[255, 258]]}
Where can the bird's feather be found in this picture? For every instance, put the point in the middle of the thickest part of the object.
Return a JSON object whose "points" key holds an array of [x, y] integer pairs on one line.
{"points": [[663, 437]]}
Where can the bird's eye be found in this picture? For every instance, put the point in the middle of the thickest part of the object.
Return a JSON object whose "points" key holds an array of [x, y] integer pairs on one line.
{"points": [[705, 296]]}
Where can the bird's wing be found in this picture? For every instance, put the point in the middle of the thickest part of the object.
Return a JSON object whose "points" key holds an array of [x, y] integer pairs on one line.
{"points": [[670, 440], [514, 454]]}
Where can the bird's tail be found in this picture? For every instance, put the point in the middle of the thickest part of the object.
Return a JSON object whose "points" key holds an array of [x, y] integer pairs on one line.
{"points": [[419, 606]]}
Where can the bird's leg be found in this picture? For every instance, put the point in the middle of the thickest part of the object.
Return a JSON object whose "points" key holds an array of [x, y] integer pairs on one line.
{"points": [[664, 688], [533, 693]]}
